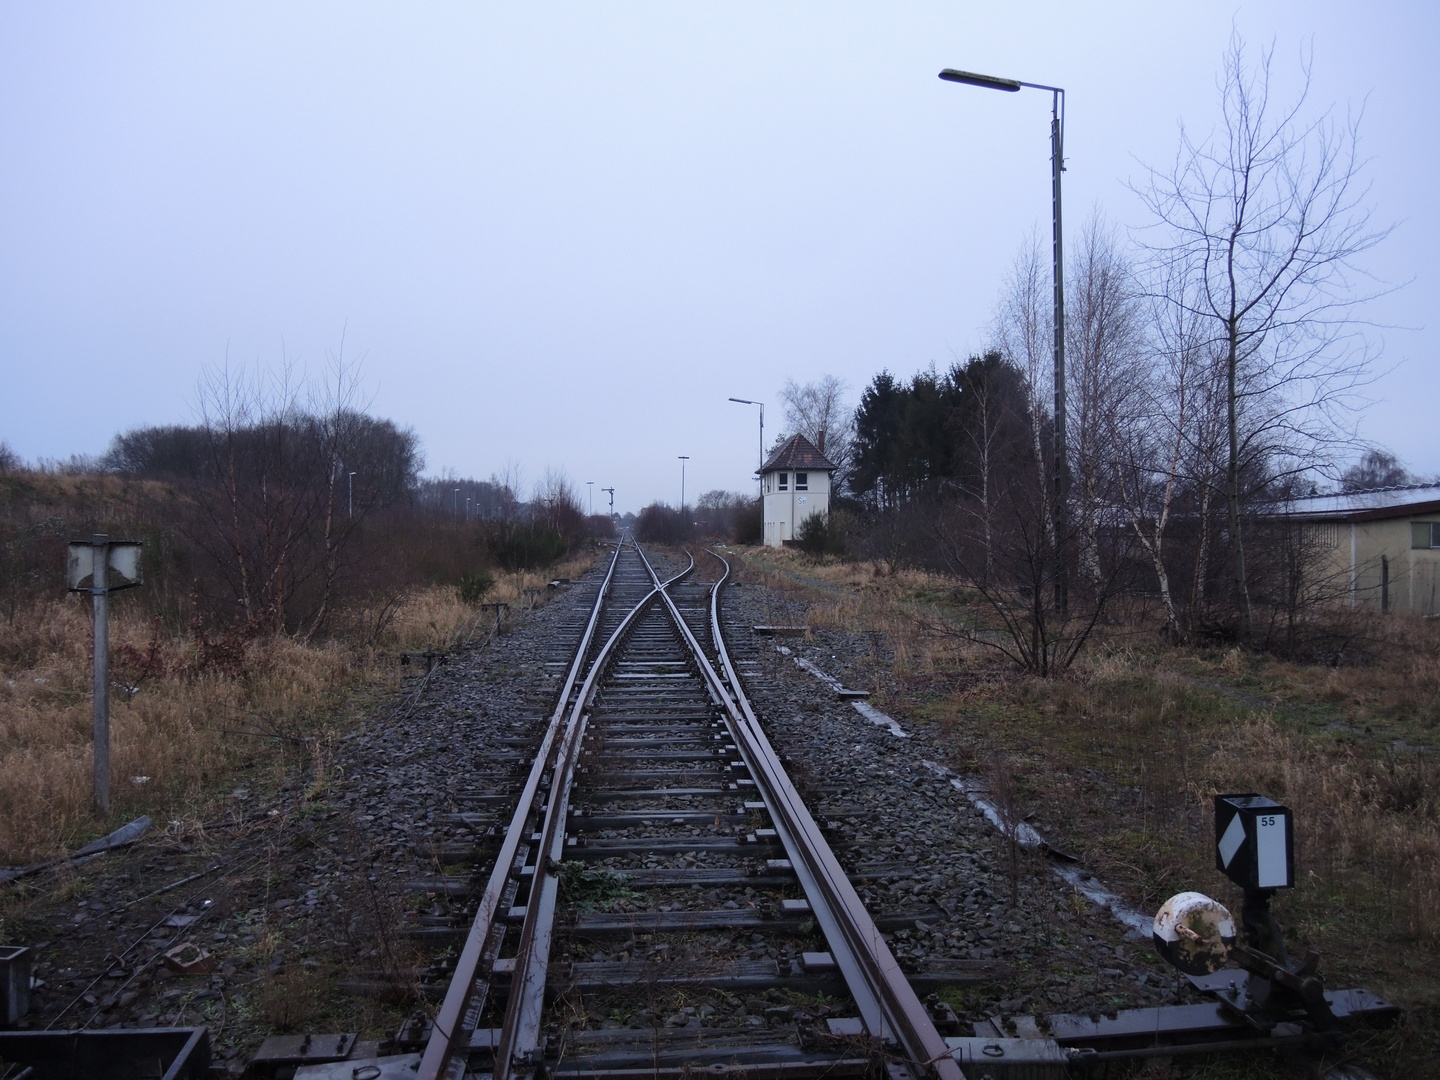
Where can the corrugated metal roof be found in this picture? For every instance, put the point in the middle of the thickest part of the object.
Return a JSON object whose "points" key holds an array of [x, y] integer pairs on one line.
{"points": [[798, 452], [1372, 503]]}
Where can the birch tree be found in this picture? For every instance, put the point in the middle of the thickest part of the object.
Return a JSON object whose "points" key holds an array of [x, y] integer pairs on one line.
{"points": [[1104, 334], [1267, 217], [1024, 335], [1166, 443]]}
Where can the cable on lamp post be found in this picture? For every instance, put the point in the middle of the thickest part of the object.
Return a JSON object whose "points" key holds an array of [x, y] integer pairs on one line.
{"points": [[1057, 166], [747, 401]]}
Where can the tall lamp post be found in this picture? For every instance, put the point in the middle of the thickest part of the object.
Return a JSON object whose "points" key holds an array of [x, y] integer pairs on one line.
{"points": [[591, 485], [350, 497], [683, 458], [746, 401], [1057, 166]]}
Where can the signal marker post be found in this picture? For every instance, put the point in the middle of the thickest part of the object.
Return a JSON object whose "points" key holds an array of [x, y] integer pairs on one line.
{"points": [[88, 569], [1255, 848]]}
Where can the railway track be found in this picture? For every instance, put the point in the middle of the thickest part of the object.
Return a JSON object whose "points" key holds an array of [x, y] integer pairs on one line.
{"points": [[629, 883], [658, 857]]}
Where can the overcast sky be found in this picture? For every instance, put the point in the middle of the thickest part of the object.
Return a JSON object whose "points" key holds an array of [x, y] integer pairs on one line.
{"points": [[564, 234]]}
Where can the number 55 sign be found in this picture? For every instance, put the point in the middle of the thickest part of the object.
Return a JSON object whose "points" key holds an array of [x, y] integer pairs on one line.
{"points": [[1254, 842]]}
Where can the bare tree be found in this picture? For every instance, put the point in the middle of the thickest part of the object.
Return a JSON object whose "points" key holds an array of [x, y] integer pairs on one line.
{"points": [[247, 522], [556, 504], [276, 509], [994, 531], [818, 411], [1376, 468], [1267, 216], [984, 435], [1104, 334], [336, 432], [1023, 332], [509, 478], [1166, 442], [1004, 553]]}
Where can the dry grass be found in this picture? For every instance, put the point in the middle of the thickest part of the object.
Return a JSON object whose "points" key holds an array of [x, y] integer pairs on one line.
{"points": [[1119, 761], [187, 717], [1367, 829], [188, 723], [867, 598]]}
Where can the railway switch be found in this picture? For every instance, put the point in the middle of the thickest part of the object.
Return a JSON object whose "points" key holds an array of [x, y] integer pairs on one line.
{"points": [[1264, 998], [1193, 933]]}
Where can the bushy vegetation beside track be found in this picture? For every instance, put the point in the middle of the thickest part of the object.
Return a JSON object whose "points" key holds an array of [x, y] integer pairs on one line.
{"points": [[1117, 761], [202, 695]]}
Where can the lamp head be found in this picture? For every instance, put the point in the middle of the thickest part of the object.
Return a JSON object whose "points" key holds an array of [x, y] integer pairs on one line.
{"points": [[990, 82]]}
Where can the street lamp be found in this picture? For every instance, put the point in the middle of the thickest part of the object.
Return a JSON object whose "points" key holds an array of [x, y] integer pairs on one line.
{"points": [[591, 485], [1057, 166], [683, 458], [746, 401], [350, 498]]}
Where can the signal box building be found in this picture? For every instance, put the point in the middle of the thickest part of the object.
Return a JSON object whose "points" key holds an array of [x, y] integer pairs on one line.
{"points": [[1385, 542], [796, 483]]}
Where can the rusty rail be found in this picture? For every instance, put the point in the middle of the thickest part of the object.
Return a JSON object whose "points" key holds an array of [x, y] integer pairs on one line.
{"points": [[445, 1053], [888, 1004]]}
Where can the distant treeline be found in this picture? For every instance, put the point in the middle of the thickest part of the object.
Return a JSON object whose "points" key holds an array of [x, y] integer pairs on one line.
{"points": [[716, 515], [264, 519]]}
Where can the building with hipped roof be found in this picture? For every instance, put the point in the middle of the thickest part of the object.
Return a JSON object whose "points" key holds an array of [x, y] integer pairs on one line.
{"points": [[795, 480]]}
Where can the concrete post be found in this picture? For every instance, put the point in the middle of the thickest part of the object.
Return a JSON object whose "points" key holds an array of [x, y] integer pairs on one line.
{"points": [[100, 554]]}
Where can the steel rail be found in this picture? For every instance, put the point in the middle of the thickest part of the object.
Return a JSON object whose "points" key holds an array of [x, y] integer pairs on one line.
{"points": [[519, 1050], [888, 1004], [448, 1047], [454, 1015]]}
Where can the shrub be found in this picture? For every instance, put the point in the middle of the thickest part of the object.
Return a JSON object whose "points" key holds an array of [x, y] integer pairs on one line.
{"points": [[473, 585], [661, 524], [749, 524], [532, 544], [819, 535]]}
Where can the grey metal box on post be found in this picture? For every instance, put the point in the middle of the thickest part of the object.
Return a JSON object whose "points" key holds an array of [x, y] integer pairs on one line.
{"points": [[14, 983]]}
